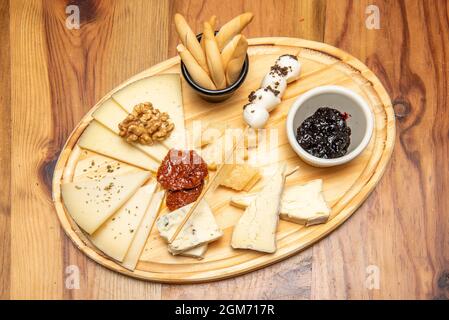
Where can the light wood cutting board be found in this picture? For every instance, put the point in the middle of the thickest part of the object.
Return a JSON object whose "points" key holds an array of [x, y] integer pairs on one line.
{"points": [[345, 187]]}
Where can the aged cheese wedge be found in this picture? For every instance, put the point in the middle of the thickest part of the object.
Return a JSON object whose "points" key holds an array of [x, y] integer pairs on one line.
{"points": [[256, 229], [240, 176], [134, 251], [200, 229], [110, 114], [95, 166], [164, 92], [98, 138], [115, 236], [91, 203], [303, 204]]}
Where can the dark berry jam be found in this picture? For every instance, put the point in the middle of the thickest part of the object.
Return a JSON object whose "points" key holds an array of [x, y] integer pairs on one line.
{"points": [[325, 134]]}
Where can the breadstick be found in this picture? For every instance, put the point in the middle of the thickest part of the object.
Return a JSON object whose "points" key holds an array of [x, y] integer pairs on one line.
{"points": [[234, 67], [213, 57], [196, 72], [229, 49], [190, 41], [212, 21], [233, 28]]}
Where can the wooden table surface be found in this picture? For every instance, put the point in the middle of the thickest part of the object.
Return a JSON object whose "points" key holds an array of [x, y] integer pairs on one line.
{"points": [[50, 77]]}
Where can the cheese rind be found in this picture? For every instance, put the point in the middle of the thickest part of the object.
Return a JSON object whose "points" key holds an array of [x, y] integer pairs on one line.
{"points": [[115, 236], [91, 203], [240, 176], [256, 229], [98, 138], [201, 228], [164, 92], [137, 245], [303, 204], [110, 114], [197, 252]]}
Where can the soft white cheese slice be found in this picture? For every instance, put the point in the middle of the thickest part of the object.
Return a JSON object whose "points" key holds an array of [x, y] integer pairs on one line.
{"points": [[110, 114], [115, 236], [164, 92], [98, 138], [92, 202], [200, 229], [256, 229], [303, 204], [135, 250]]}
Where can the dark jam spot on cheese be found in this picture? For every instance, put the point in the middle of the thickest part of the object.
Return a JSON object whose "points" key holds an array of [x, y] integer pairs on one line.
{"points": [[325, 134]]}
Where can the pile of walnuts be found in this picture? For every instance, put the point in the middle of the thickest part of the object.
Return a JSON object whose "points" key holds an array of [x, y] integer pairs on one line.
{"points": [[146, 124]]}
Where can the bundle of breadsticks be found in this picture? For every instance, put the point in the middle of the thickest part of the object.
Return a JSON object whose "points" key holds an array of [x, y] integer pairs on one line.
{"points": [[216, 61]]}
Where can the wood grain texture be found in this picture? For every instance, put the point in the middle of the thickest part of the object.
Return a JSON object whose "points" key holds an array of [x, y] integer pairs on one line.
{"points": [[288, 18], [35, 233], [5, 153], [66, 83], [345, 187], [402, 228], [404, 222], [104, 53]]}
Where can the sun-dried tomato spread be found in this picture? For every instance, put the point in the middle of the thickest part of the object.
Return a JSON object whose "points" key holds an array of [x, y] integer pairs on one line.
{"points": [[181, 170], [180, 198], [182, 173]]}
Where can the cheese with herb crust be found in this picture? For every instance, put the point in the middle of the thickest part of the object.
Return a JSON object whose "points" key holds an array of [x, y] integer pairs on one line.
{"points": [[142, 233], [92, 202], [115, 236]]}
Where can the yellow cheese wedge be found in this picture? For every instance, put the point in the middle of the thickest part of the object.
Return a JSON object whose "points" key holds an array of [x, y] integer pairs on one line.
{"points": [[302, 204], [110, 114], [98, 138], [91, 203], [240, 176], [92, 165], [134, 251], [164, 92], [115, 236]]}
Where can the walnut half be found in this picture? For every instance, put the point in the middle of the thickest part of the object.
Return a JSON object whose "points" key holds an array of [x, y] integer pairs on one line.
{"points": [[146, 124]]}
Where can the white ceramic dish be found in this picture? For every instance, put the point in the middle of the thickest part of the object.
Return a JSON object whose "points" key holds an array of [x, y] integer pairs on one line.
{"points": [[361, 121]]}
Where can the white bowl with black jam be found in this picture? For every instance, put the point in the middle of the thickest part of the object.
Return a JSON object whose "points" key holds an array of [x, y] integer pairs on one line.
{"points": [[329, 126]]}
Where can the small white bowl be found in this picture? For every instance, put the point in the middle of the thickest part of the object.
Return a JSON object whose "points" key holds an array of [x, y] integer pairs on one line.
{"points": [[361, 121]]}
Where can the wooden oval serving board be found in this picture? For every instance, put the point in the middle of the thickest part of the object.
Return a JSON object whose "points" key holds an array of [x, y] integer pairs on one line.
{"points": [[345, 187]]}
